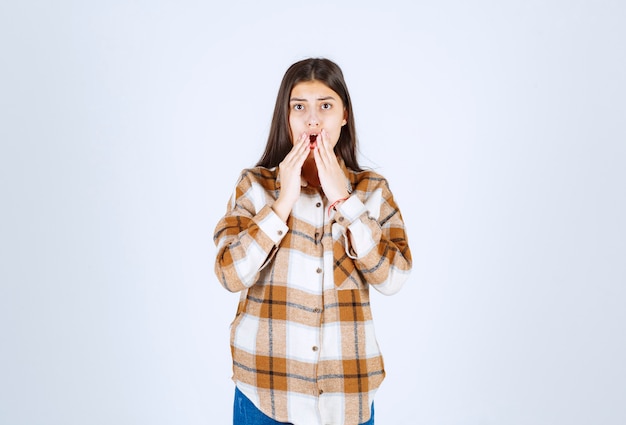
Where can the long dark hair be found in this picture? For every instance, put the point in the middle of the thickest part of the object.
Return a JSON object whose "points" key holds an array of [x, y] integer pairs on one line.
{"points": [[279, 140]]}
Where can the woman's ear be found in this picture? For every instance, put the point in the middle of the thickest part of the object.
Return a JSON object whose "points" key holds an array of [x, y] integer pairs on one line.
{"points": [[345, 117]]}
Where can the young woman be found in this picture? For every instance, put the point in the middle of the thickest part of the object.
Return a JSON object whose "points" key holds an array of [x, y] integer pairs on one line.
{"points": [[305, 234]]}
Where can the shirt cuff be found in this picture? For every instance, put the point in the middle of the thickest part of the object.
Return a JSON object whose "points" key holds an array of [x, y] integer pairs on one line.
{"points": [[269, 222], [351, 209]]}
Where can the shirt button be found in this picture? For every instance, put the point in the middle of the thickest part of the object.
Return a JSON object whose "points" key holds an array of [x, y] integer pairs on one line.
{"points": [[318, 270], [319, 204], [317, 310], [317, 235], [340, 218], [314, 348], [280, 233], [321, 392]]}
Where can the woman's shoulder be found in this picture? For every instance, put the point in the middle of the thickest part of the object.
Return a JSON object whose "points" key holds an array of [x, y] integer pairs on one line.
{"points": [[260, 175], [368, 180]]}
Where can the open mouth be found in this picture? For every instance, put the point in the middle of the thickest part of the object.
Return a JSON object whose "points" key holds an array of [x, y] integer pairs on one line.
{"points": [[312, 140]]}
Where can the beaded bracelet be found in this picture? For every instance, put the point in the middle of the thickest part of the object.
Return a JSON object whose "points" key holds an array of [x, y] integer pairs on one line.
{"points": [[334, 204]]}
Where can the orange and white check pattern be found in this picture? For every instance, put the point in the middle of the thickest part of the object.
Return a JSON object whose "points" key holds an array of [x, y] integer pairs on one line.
{"points": [[303, 343]]}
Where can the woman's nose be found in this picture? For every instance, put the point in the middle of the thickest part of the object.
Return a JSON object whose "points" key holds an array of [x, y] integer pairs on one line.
{"points": [[313, 119]]}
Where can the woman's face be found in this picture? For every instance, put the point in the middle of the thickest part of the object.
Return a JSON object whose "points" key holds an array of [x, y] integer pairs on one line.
{"points": [[314, 107]]}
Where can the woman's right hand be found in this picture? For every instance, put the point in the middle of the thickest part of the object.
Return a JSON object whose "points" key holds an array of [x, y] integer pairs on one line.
{"points": [[290, 171]]}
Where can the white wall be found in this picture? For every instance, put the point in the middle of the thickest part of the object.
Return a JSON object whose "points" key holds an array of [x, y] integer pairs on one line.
{"points": [[500, 126]]}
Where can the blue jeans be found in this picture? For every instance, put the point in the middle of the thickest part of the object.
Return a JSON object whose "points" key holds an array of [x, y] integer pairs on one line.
{"points": [[246, 413]]}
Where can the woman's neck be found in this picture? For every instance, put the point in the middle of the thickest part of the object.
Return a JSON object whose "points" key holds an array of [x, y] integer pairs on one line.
{"points": [[309, 173]]}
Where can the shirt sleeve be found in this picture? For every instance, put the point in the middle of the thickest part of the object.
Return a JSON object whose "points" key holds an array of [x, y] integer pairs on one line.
{"points": [[375, 238], [247, 236]]}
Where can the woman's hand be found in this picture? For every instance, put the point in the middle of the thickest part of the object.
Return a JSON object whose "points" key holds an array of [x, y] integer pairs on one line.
{"points": [[331, 175], [290, 170]]}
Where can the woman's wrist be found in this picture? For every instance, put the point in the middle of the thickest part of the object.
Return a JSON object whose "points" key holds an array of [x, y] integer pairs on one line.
{"points": [[335, 204], [282, 209]]}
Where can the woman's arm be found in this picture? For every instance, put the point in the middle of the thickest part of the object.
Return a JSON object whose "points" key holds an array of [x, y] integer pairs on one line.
{"points": [[247, 236], [375, 237]]}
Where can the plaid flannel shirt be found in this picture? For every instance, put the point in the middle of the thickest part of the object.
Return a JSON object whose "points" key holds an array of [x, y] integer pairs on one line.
{"points": [[303, 344]]}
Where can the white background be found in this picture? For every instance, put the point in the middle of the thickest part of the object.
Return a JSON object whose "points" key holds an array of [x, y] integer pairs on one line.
{"points": [[499, 124]]}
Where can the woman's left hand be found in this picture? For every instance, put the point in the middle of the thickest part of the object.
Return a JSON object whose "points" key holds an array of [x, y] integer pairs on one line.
{"points": [[331, 175]]}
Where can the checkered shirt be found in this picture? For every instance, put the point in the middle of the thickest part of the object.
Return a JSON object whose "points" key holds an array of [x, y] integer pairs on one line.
{"points": [[303, 344]]}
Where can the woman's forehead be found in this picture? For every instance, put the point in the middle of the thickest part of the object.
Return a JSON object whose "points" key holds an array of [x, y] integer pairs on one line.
{"points": [[314, 89]]}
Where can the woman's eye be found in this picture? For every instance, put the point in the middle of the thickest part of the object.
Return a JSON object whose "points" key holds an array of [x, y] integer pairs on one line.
{"points": [[298, 107], [326, 106]]}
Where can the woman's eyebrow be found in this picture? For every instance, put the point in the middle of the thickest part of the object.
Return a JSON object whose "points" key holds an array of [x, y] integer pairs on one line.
{"points": [[298, 99]]}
